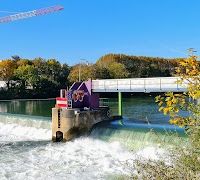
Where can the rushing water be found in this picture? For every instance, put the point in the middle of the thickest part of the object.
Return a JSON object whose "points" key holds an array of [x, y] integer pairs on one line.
{"points": [[26, 150]]}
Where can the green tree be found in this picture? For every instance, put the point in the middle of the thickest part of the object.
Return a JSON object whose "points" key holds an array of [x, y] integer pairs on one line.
{"points": [[117, 70], [63, 76], [108, 67], [27, 75], [53, 76], [100, 71], [53, 68]]}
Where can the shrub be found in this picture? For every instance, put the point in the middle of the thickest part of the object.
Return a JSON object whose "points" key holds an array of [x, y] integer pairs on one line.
{"points": [[185, 160]]}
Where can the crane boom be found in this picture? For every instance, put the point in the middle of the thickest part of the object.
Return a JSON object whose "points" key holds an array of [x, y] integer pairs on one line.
{"points": [[29, 14]]}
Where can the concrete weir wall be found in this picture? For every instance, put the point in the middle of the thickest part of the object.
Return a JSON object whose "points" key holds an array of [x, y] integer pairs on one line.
{"points": [[70, 123]]}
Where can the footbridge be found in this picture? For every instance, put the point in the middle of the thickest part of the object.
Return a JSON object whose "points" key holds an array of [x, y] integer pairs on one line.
{"points": [[145, 85]]}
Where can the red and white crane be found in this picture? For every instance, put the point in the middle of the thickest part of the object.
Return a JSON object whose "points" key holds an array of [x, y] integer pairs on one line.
{"points": [[24, 15]]}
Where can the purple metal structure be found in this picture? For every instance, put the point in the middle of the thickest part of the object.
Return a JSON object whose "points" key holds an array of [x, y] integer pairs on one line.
{"points": [[81, 95], [29, 14]]}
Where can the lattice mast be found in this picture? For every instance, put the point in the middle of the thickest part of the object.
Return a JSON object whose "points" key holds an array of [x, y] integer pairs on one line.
{"points": [[29, 14]]}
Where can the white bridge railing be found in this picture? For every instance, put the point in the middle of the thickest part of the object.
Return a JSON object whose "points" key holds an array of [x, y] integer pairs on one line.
{"points": [[160, 84]]}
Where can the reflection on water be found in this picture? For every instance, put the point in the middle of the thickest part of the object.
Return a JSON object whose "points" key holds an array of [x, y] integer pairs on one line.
{"points": [[137, 107], [28, 107]]}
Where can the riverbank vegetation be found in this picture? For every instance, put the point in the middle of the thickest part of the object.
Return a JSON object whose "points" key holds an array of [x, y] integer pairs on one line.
{"points": [[112, 66], [37, 78], [40, 78], [185, 160]]}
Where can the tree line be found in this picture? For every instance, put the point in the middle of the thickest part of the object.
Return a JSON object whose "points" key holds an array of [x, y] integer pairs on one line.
{"points": [[37, 78], [112, 66], [41, 78]]}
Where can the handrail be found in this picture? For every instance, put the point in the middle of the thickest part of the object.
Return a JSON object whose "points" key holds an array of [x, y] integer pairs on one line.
{"points": [[161, 84]]}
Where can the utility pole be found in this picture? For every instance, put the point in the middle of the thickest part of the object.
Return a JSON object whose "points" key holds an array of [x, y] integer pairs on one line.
{"points": [[79, 69], [79, 72]]}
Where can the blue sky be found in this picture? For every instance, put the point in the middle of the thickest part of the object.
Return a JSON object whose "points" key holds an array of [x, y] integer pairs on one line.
{"points": [[88, 29]]}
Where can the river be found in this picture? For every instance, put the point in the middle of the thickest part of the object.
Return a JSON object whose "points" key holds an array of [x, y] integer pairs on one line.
{"points": [[139, 108], [26, 150]]}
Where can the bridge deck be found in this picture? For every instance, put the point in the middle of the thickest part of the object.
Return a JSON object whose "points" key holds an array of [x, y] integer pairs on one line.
{"points": [[160, 84]]}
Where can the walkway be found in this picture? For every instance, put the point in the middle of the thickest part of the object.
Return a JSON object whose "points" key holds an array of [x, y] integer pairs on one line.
{"points": [[160, 84]]}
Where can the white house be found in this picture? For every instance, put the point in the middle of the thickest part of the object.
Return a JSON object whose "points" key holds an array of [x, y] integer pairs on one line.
{"points": [[2, 84]]}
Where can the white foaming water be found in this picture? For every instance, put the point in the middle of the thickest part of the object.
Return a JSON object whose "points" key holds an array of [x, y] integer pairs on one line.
{"points": [[15, 132], [28, 153], [25, 120]]}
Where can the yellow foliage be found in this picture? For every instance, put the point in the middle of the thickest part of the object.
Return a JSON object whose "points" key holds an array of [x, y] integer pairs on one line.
{"points": [[7, 68], [189, 71]]}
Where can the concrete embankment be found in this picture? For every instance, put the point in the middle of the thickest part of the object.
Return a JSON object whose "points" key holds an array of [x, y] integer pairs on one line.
{"points": [[70, 123]]}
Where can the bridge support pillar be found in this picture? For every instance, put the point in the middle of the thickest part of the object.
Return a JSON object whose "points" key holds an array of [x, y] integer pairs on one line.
{"points": [[120, 103]]}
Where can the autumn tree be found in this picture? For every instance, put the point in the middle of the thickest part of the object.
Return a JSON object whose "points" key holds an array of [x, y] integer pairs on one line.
{"points": [[188, 161], [142, 66], [189, 72], [23, 62], [7, 68], [184, 158]]}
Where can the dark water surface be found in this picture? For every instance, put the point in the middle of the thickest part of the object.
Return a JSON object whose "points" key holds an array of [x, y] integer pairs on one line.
{"points": [[137, 108], [28, 107]]}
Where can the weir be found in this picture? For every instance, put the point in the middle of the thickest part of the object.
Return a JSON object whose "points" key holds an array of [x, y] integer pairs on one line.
{"points": [[136, 135], [26, 120], [23, 147], [78, 109]]}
